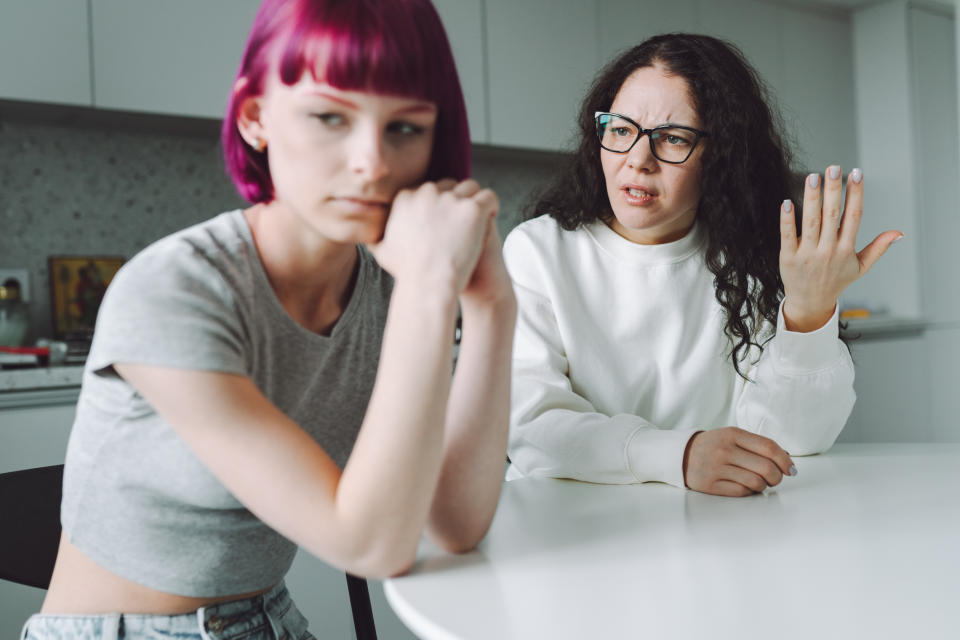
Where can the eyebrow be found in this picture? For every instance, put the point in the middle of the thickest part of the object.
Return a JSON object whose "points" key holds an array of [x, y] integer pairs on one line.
{"points": [[423, 107], [330, 96], [671, 123]]}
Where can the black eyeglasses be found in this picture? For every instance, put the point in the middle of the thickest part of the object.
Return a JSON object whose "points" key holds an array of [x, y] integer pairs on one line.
{"points": [[672, 143]]}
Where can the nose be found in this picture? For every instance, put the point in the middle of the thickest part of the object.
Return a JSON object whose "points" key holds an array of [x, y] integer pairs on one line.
{"points": [[640, 157], [367, 155]]}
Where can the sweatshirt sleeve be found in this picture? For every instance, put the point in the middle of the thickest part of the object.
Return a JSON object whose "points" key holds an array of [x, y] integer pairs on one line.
{"points": [[556, 432], [801, 389]]}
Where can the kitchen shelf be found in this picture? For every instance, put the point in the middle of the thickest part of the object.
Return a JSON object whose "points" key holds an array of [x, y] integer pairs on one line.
{"points": [[885, 326]]}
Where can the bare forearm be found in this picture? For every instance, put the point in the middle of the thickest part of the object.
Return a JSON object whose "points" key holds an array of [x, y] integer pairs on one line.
{"points": [[477, 425], [384, 495]]}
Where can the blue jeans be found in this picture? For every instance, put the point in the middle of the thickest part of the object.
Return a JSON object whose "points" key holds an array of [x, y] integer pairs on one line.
{"points": [[269, 616]]}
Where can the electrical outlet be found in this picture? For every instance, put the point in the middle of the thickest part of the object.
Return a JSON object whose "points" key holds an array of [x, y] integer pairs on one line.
{"points": [[20, 275]]}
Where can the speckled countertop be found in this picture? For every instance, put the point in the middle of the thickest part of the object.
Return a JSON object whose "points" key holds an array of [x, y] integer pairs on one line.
{"points": [[40, 378]]}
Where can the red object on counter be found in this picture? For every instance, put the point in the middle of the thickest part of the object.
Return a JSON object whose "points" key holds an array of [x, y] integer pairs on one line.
{"points": [[32, 351]]}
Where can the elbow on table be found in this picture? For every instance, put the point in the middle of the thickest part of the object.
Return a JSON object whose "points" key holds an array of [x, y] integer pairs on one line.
{"points": [[458, 544], [383, 563]]}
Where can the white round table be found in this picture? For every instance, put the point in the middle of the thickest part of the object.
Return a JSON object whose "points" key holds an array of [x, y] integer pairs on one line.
{"points": [[863, 543]]}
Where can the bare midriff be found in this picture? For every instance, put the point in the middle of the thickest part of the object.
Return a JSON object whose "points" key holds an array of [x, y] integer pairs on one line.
{"points": [[80, 586]]}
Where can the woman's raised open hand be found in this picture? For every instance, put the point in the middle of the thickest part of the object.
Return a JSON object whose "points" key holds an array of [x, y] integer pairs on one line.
{"points": [[823, 261]]}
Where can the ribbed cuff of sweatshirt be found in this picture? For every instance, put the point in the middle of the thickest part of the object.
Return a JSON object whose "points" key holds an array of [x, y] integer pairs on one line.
{"points": [[796, 352], [656, 455]]}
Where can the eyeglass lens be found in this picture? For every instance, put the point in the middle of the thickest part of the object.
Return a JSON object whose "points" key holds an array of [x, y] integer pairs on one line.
{"points": [[670, 144]]}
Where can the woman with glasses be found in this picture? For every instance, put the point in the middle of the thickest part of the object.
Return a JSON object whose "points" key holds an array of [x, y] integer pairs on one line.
{"points": [[673, 326], [280, 375]]}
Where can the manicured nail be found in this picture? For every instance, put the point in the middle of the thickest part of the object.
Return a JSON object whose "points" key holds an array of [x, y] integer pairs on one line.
{"points": [[898, 239], [793, 470], [787, 206], [834, 172], [856, 175], [814, 180]]}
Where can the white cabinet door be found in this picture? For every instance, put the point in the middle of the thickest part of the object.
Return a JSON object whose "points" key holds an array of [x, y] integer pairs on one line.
{"points": [[45, 51], [463, 20], [34, 436], [893, 399], [751, 25], [625, 23], [172, 57], [934, 72], [817, 89], [542, 56]]}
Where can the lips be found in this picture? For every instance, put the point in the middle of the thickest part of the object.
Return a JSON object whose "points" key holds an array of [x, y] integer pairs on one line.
{"points": [[364, 202], [638, 195]]}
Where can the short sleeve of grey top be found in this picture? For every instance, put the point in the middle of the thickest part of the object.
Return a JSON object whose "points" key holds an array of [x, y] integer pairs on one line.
{"points": [[136, 499]]}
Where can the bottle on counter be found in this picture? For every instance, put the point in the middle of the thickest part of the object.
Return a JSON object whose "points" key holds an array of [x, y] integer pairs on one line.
{"points": [[14, 315]]}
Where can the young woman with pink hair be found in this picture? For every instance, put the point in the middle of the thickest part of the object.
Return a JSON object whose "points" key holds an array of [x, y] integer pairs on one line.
{"points": [[281, 375]]}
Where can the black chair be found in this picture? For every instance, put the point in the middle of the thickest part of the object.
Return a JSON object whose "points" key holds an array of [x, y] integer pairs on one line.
{"points": [[30, 504]]}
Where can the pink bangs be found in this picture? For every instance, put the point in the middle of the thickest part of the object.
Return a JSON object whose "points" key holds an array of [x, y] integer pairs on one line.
{"points": [[391, 47]]}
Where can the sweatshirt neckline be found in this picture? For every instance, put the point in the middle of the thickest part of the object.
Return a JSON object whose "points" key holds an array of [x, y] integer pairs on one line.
{"points": [[646, 254]]}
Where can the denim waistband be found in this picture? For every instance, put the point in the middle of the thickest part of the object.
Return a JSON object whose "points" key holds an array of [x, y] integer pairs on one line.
{"points": [[268, 616]]}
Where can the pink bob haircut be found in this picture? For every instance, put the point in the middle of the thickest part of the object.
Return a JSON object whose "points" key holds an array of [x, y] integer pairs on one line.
{"points": [[390, 47]]}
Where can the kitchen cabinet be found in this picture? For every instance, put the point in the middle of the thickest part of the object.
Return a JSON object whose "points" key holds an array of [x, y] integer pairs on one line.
{"points": [[139, 69], [542, 56], [463, 21], [174, 57], [934, 71], [906, 97], [625, 23], [524, 67], [816, 89], [45, 51], [34, 436], [892, 383], [754, 27], [30, 436]]}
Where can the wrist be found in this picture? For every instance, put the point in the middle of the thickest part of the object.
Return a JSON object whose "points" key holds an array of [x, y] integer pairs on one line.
{"points": [[804, 318], [686, 457], [436, 301], [499, 305]]}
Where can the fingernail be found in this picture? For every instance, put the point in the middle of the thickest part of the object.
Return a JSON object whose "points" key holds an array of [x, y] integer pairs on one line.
{"points": [[814, 180], [787, 206], [856, 175], [793, 470], [834, 172], [898, 239]]}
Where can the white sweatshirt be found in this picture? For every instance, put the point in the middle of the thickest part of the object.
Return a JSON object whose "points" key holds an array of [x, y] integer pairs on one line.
{"points": [[620, 356]]}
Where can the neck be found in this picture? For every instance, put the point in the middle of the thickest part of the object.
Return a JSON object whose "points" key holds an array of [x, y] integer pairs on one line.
{"points": [[311, 275]]}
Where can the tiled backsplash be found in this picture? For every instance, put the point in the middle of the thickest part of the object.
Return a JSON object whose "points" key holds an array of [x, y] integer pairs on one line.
{"points": [[84, 183]]}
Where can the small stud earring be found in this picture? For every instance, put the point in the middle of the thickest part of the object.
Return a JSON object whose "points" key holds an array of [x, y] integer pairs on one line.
{"points": [[260, 145]]}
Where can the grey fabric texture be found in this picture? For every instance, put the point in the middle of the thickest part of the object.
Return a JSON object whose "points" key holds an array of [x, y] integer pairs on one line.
{"points": [[136, 499]]}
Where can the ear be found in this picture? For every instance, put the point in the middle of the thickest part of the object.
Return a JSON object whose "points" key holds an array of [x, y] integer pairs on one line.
{"points": [[249, 121]]}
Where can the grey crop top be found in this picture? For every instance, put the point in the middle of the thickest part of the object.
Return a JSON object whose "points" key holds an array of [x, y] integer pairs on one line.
{"points": [[136, 499]]}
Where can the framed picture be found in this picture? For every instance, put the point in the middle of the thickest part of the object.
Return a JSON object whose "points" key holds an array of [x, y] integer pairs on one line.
{"points": [[77, 285]]}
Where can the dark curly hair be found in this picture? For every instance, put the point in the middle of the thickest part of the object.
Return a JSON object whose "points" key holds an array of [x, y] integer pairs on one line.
{"points": [[745, 173]]}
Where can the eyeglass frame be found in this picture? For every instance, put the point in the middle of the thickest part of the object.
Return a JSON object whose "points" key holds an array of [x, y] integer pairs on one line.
{"points": [[646, 132]]}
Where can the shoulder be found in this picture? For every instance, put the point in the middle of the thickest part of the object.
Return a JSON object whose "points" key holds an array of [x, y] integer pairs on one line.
{"points": [[541, 239], [206, 270], [199, 257]]}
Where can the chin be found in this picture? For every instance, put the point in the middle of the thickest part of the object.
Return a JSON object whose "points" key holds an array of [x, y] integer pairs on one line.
{"points": [[637, 221]]}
